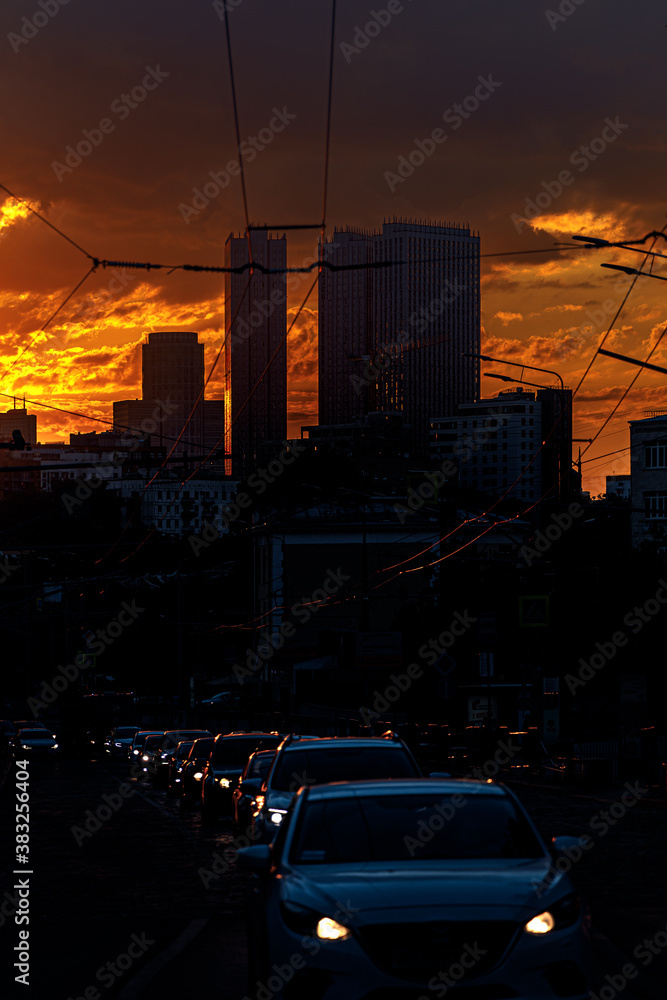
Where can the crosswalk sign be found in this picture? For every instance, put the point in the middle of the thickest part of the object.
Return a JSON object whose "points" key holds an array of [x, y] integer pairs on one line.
{"points": [[534, 611]]}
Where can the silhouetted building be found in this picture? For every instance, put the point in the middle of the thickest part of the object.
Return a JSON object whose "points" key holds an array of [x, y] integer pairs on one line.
{"points": [[513, 443], [172, 378], [255, 349], [392, 338], [18, 420], [648, 472], [618, 485]]}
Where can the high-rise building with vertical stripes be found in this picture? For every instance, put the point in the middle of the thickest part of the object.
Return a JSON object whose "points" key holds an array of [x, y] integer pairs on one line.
{"points": [[391, 338], [255, 349]]}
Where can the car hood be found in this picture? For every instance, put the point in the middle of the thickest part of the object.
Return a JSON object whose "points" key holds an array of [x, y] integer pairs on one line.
{"points": [[501, 890]]}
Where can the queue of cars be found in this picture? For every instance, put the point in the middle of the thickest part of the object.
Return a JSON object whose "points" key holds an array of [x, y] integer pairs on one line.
{"points": [[383, 881]]}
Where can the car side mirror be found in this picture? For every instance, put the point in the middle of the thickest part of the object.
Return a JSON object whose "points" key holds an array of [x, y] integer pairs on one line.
{"points": [[255, 859], [251, 786]]}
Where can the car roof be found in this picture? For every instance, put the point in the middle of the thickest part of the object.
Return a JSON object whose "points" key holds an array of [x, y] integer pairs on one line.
{"points": [[405, 786], [349, 741]]}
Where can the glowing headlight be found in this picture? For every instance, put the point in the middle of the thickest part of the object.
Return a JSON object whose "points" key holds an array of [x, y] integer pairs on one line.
{"points": [[541, 924], [277, 816], [25, 746], [55, 746], [135, 751], [198, 776], [145, 757], [330, 930], [224, 782]]}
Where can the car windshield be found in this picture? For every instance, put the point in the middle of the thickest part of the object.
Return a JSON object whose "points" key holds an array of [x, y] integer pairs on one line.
{"points": [[183, 750], [201, 749], [124, 731], [412, 827], [317, 765], [171, 740], [35, 734], [234, 751], [152, 742], [260, 767]]}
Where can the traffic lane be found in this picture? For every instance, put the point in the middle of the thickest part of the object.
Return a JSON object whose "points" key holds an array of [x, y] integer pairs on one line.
{"points": [[622, 874], [117, 878]]}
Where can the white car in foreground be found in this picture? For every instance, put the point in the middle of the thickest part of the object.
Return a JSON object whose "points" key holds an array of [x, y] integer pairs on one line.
{"points": [[410, 890]]}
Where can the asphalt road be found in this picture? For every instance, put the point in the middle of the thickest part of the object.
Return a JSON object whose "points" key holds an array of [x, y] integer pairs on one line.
{"points": [[132, 906]]}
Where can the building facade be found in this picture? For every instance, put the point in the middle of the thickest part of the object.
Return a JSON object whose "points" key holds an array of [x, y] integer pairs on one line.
{"points": [[172, 381], [18, 420], [513, 443], [255, 349], [416, 318], [648, 481]]}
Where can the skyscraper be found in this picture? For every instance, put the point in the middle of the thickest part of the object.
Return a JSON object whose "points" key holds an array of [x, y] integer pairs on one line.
{"points": [[255, 349], [417, 317], [172, 373]]}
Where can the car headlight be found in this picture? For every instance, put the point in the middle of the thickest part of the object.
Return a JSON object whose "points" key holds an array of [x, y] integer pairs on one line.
{"points": [[198, 775], [562, 914], [303, 920], [329, 929], [55, 746], [135, 751], [25, 746], [277, 815], [224, 782], [145, 756]]}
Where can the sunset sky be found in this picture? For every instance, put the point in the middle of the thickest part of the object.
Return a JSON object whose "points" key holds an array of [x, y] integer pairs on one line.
{"points": [[579, 92]]}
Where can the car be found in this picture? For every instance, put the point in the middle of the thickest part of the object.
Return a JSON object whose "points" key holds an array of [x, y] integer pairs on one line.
{"points": [[222, 699], [136, 747], [224, 768], [150, 750], [397, 888], [35, 743], [28, 724], [174, 779], [318, 760], [119, 740], [249, 786], [161, 759], [193, 771]]}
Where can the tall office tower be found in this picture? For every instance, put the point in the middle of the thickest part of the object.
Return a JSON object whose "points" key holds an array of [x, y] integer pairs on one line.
{"points": [[172, 378], [345, 330], [256, 323], [424, 314]]}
